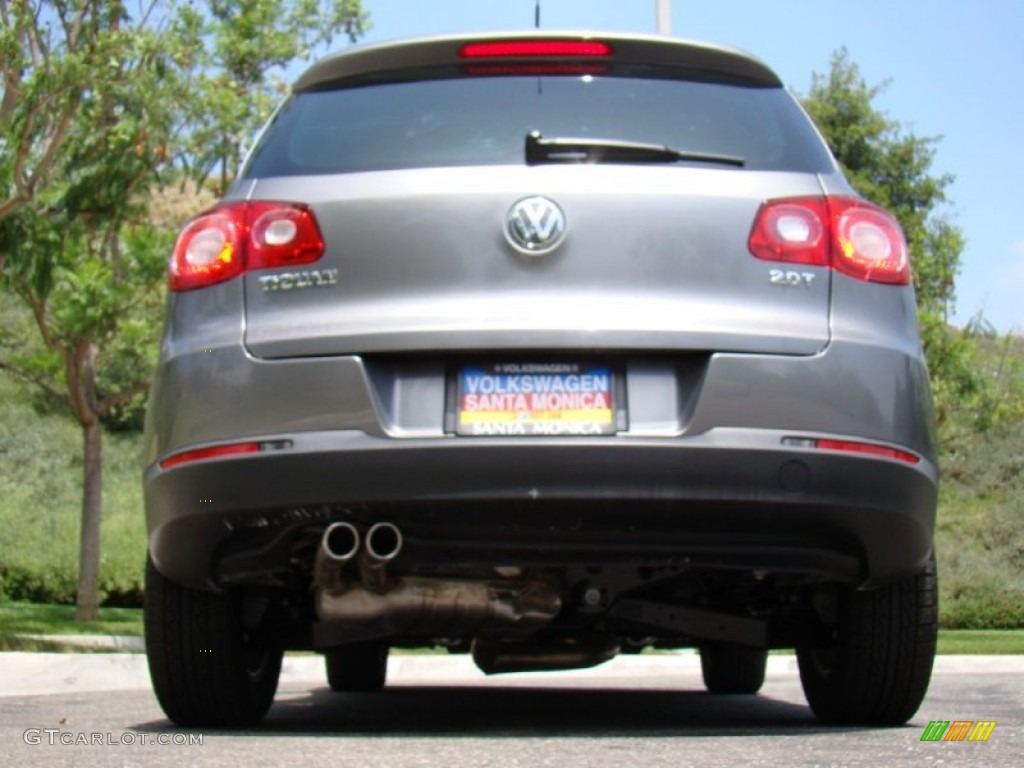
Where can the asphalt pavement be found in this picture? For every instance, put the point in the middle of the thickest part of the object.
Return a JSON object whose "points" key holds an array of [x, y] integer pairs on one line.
{"points": [[439, 711]]}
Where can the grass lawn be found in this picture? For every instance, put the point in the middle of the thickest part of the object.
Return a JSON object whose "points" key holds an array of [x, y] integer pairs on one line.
{"points": [[35, 619], [981, 641]]}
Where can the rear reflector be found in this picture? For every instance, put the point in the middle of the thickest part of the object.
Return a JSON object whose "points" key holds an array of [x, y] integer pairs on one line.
{"points": [[547, 48], [848, 446], [213, 452]]}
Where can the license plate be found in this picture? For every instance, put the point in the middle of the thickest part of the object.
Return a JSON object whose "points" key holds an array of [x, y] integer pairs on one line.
{"points": [[535, 399]]}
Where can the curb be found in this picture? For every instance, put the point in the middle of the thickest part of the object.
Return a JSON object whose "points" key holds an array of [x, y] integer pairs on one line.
{"points": [[110, 642]]}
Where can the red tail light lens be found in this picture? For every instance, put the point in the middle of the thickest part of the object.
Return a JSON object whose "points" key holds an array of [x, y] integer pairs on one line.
{"points": [[282, 235], [207, 251], [520, 48], [847, 234], [225, 241], [794, 232], [868, 243]]}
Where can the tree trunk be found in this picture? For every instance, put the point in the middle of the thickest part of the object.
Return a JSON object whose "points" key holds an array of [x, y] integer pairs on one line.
{"points": [[87, 601]]}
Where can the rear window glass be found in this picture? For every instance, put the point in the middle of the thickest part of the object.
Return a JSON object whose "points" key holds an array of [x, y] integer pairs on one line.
{"points": [[461, 121]]}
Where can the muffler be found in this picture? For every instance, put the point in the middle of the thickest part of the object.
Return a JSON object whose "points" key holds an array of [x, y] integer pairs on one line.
{"points": [[438, 607], [381, 604], [496, 656]]}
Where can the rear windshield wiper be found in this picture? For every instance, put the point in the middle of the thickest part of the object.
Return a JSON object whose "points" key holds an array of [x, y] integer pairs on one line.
{"points": [[565, 150]]}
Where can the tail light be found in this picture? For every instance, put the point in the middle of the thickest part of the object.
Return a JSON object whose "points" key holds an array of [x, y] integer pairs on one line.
{"points": [[869, 243], [232, 238], [847, 234]]}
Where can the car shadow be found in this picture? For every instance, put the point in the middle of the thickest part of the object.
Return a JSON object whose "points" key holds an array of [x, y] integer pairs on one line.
{"points": [[514, 712]]}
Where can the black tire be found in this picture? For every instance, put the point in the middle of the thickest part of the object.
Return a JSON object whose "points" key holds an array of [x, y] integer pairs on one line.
{"points": [[357, 667], [204, 671], [733, 668], [878, 668]]}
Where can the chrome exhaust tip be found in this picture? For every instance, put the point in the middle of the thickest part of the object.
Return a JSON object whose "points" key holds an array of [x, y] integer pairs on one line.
{"points": [[340, 543], [383, 543]]}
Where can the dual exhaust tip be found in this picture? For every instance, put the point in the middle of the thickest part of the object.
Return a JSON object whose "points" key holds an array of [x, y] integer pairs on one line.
{"points": [[341, 543]]}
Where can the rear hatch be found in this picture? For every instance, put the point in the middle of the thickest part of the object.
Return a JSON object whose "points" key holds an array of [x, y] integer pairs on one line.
{"points": [[523, 203]]}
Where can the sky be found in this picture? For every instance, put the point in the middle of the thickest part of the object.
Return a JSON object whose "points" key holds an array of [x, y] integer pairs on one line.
{"points": [[954, 69]]}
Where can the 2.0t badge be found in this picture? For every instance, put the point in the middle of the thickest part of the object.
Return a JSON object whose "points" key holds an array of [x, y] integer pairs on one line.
{"points": [[535, 226]]}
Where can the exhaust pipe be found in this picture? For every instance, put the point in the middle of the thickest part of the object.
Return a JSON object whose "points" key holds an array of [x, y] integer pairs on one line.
{"points": [[383, 543], [338, 546]]}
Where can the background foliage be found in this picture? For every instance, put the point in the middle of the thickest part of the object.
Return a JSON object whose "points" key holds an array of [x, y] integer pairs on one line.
{"points": [[100, 239], [101, 104]]}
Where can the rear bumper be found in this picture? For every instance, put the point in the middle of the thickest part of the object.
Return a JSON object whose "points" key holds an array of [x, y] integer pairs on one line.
{"points": [[725, 498]]}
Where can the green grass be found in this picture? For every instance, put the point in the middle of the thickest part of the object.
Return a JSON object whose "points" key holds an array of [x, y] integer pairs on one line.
{"points": [[974, 642], [981, 642], [18, 618], [38, 619]]}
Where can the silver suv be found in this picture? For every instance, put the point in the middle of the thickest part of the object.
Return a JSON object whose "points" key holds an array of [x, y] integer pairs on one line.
{"points": [[541, 347]]}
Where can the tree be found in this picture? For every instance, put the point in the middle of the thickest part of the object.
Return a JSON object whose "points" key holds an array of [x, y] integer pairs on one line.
{"points": [[96, 104], [251, 41], [51, 55], [76, 249], [95, 310], [893, 168]]}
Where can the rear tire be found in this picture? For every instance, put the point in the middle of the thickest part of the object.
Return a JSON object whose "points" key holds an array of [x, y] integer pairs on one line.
{"points": [[731, 668], [357, 667], [205, 669], [877, 670]]}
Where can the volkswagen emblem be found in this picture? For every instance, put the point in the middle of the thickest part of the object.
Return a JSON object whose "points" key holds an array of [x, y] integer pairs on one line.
{"points": [[535, 226]]}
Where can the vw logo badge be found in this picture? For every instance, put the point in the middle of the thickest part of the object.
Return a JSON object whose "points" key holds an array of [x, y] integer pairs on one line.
{"points": [[535, 226]]}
